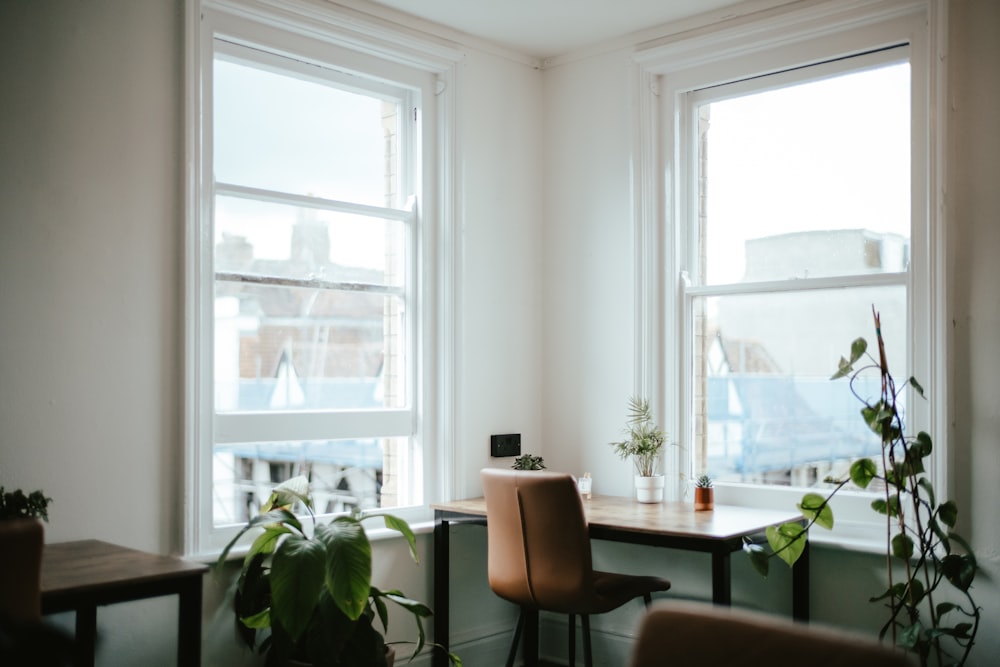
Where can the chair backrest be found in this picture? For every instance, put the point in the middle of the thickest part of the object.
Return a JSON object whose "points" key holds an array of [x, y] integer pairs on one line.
{"points": [[21, 544], [682, 634], [538, 540]]}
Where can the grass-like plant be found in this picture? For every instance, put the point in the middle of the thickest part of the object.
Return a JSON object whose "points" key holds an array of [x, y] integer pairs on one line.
{"points": [[645, 439], [929, 567]]}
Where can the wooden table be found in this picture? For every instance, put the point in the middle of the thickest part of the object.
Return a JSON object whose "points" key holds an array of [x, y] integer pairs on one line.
{"points": [[673, 525], [80, 576]]}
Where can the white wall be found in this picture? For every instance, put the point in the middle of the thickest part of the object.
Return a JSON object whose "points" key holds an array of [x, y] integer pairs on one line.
{"points": [[91, 309], [91, 286]]}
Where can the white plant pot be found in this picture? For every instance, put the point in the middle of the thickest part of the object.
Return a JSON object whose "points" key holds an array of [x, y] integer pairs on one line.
{"points": [[649, 489]]}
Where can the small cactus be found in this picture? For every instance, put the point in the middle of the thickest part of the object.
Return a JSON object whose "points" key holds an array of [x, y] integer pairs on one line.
{"points": [[704, 482]]}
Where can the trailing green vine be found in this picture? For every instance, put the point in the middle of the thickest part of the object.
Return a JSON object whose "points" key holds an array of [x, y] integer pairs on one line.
{"points": [[938, 623]]}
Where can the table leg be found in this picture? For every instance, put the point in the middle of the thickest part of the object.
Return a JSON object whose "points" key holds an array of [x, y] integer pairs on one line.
{"points": [[800, 586], [721, 578], [86, 635], [189, 624], [530, 638], [442, 589]]}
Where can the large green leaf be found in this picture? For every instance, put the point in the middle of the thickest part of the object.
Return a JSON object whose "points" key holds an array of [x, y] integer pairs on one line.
{"points": [[815, 508], [845, 367], [944, 607], [928, 488], [415, 607], [348, 564], [280, 516], [787, 541], [910, 636], [902, 546], [891, 507], [913, 462], [267, 541], [758, 558], [296, 581], [914, 592], [288, 493], [858, 347], [948, 512], [258, 621], [959, 569], [418, 609], [939, 532], [395, 523], [863, 471]]}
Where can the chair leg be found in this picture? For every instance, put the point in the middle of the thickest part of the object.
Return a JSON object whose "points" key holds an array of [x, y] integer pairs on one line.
{"points": [[647, 598], [572, 640], [588, 659], [517, 637]]}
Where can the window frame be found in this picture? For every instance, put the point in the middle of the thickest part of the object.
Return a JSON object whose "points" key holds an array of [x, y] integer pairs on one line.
{"points": [[663, 74], [342, 41]]}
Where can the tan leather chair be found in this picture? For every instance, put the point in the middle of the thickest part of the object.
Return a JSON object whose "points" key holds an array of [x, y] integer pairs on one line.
{"points": [[539, 553], [688, 634]]}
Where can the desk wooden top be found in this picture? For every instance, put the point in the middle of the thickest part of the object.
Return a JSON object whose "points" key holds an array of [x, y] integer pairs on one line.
{"points": [[666, 518], [75, 567]]}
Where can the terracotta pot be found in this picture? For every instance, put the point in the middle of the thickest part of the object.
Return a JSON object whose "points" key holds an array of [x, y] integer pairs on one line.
{"points": [[704, 498], [21, 542], [649, 489]]}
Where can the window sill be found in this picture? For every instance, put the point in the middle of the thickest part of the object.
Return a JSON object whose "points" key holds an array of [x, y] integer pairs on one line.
{"points": [[863, 537]]}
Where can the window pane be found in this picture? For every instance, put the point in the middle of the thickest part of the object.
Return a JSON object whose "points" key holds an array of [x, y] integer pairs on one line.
{"points": [[343, 474], [264, 238], [289, 133], [766, 410], [282, 348], [807, 181]]}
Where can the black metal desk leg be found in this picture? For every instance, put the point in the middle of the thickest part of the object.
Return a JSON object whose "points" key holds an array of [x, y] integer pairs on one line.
{"points": [[189, 624], [530, 638], [86, 635], [721, 578], [442, 589], [800, 586]]}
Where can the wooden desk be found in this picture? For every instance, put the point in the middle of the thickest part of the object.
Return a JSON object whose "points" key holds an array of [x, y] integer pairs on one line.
{"points": [[671, 524], [80, 576]]}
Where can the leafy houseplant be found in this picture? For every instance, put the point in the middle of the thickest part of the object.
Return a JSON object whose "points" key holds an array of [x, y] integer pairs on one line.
{"points": [[922, 551], [312, 596], [24, 638], [18, 505], [643, 445], [529, 462]]}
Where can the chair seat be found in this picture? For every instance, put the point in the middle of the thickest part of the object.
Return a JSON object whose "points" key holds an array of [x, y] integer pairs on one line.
{"points": [[612, 590], [539, 554]]}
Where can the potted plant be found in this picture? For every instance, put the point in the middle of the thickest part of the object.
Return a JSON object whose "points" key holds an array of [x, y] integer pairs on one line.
{"points": [[643, 445], [21, 541], [311, 594], [930, 568], [704, 494], [529, 462]]}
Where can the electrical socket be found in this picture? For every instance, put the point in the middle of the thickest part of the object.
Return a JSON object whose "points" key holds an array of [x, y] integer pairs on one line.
{"points": [[505, 445]]}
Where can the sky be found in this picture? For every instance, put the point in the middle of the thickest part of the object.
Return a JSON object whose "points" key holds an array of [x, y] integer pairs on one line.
{"points": [[292, 135], [830, 154]]}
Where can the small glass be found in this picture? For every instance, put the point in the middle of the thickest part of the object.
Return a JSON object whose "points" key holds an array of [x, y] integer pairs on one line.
{"points": [[584, 485]]}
